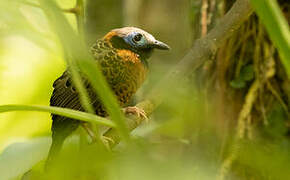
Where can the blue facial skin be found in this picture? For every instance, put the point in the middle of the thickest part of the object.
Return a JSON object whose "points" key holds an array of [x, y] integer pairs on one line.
{"points": [[142, 43]]}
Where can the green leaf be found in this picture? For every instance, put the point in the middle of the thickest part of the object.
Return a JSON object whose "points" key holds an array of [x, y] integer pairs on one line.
{"points": [[247, 73], [238, 83]]}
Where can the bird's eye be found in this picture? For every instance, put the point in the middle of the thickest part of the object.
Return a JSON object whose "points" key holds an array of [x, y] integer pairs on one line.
{"points": [[137, 38]]}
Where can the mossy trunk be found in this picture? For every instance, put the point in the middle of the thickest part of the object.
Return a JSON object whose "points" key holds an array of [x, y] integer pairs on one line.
{"points": [[251, 87]]}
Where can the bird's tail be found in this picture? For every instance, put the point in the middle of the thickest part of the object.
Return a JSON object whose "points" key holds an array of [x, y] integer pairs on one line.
{"points": [[56, 145]]}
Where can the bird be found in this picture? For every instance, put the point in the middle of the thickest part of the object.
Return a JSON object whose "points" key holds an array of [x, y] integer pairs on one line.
{"points": [[122, 55]]}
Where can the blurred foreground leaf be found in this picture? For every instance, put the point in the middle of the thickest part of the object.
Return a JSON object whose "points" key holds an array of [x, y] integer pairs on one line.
{"points": [[14, 22], [265, 160], [18, 158]]}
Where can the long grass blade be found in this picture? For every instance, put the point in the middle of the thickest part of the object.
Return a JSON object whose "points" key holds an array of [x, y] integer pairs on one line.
{"points": [[77, 55], [83, 116]]}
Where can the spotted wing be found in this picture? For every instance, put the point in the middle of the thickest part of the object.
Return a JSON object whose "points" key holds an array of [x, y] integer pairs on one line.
{"points": [[65, 95]]}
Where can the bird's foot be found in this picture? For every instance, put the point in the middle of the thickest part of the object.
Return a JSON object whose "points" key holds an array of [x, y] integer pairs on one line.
{"points": [[107, 141], [90, 132], [140, 113]]}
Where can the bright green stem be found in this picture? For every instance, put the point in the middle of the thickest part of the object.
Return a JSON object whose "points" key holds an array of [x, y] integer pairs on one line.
{"points": [[78, 115]]}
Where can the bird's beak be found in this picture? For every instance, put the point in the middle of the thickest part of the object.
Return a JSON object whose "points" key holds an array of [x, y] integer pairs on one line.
{"points": [[160, 45]]}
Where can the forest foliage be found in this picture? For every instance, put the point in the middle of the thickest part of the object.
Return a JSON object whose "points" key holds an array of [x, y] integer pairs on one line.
{"points": [[228, 119]]}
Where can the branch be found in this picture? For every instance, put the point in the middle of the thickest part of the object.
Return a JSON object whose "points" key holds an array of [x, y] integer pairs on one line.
{"points": [[132, 122], [201, 51], [204, 47]]}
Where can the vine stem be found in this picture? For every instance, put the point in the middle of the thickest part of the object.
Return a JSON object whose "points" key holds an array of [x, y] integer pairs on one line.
{"points": [[80, 15], [204, 22]]}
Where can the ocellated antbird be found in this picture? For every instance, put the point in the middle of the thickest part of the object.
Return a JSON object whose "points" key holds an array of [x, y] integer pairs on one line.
{"points": [[122, 55]]}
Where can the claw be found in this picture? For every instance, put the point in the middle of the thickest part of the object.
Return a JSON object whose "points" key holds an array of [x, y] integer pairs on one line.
{"points": [[107, 141], [136, 111]]}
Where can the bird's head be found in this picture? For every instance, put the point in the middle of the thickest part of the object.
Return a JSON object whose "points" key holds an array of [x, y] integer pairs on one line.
{"points": [[135, 39]]}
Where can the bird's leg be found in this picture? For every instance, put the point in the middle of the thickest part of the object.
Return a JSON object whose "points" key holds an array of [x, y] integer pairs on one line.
{"points": [[106, 140], [90, 132], [136, 111]]}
